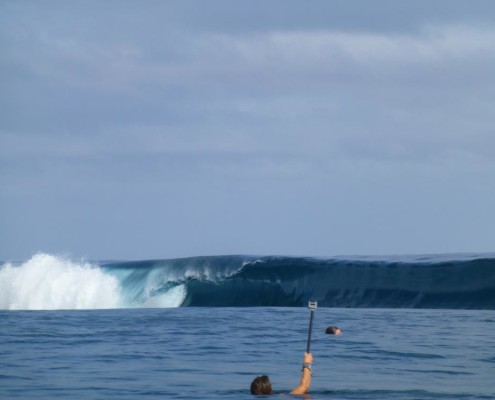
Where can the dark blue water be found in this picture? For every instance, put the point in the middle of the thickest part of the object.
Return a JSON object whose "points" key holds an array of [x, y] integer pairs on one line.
{"points": [[206, 353]]}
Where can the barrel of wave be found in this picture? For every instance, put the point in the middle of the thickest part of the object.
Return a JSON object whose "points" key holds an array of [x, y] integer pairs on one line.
{"points": [[47, 282]]}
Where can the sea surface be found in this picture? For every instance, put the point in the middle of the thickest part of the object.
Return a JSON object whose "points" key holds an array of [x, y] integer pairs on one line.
{"points": [[415, 327], [214, 353]]}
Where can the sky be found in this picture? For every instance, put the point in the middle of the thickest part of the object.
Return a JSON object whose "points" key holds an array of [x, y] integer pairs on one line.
{"points": [[162, 129]]}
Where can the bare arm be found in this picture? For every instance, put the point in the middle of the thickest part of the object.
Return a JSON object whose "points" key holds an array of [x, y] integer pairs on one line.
{"points": [[306, 376]]}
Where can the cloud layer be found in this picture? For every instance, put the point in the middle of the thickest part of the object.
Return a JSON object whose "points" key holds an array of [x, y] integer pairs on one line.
{"points": [[169, 97]]}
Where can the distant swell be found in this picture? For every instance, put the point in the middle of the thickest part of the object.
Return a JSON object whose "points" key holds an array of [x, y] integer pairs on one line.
{"points": [[49, 282]]}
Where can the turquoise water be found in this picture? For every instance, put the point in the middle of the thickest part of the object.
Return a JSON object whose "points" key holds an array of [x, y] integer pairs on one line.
{"points": [[203, 353]]}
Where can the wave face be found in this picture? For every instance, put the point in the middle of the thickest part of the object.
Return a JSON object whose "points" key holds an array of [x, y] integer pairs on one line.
{"points": [[451, 282]]}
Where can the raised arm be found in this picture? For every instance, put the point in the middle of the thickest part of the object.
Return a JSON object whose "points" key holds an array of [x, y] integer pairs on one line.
{"points": [[306, 375]]}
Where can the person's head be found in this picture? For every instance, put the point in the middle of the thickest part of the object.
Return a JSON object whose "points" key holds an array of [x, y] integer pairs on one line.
{"points": [[261, 385], [333, 330]]}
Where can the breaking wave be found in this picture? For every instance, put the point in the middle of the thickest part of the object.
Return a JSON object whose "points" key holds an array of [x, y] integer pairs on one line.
{"points": [[449, 281], [46, 282]]}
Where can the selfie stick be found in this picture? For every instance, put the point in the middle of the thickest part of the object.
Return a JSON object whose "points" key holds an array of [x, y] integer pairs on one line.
{"points": [[312, 307]]}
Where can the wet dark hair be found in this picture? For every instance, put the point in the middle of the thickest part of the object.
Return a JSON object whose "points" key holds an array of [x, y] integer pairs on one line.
{"points": [[261, 385], [332, 330]]}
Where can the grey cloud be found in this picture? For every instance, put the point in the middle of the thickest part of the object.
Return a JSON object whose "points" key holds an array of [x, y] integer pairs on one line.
{"points": [[182, 110]]}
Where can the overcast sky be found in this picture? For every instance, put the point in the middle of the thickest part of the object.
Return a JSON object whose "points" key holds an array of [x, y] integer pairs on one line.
{"points": [[158, 129]]}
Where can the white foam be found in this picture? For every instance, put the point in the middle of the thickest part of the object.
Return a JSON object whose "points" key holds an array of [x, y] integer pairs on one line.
{"points": [[171, 298], [46, 282], [153, 295]]}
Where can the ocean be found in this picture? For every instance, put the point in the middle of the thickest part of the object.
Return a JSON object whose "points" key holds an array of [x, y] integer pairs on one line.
{"points": [[415, 327]]}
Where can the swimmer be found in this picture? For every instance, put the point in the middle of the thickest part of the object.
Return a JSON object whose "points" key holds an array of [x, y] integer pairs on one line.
{"points": [[262, 384]]}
